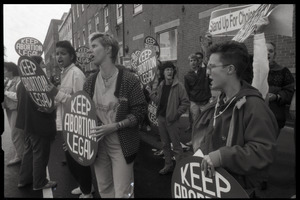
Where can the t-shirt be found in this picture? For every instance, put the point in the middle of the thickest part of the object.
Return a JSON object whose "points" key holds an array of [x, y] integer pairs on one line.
{"points": [[164, 100], [107, 103]]}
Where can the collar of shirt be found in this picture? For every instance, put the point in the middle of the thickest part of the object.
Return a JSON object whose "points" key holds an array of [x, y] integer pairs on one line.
{"points": [[65, 70]]}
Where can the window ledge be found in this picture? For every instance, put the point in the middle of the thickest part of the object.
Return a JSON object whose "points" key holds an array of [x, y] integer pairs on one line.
{"points": [[135, 14]]}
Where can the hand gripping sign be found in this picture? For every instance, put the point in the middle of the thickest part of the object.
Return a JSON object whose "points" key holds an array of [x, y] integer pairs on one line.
{"points": [[29, 46], [147, 66], [83, 55], [79, 118], [188, 181], [36, 83], [151, 43]]}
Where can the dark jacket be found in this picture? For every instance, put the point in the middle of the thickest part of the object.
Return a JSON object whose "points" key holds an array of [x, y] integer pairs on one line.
{"points": [[281, 81], [133, 106], [197, 86], [244, 136], [30, 119]]}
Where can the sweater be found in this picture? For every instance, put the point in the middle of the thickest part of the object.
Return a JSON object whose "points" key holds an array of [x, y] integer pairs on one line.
{"points": [[133, 106], [197, 86]]}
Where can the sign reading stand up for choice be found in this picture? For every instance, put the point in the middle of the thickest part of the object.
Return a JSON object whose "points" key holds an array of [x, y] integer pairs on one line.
{"points": [[35, 82], [189, 181], [79, 118]]}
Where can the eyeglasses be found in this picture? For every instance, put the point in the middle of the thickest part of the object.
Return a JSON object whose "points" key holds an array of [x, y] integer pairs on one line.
{"points": [[210, 66]]}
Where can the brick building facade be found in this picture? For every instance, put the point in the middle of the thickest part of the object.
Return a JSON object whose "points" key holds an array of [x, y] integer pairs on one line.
{"points": [[49, 45], [182, 24]]}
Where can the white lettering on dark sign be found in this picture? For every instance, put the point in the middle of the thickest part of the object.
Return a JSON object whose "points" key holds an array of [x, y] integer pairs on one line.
{"points": [[77, 124], [193, 185], [29, 47], [152, 109], [147, 66], [35, 82]]}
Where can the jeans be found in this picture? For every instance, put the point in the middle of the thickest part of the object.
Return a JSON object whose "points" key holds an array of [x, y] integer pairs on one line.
{"points": [[169, 134]]}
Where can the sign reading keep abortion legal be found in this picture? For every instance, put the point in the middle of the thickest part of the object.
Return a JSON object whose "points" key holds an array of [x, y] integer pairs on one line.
{"points": [[35, 82], [147, 66], [79, 118], [29, 46], [83, 55], [151, 43], [189, 181]]}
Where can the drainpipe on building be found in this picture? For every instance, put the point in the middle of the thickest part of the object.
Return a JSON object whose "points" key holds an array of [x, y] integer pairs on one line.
{"points": [[123, 21]]}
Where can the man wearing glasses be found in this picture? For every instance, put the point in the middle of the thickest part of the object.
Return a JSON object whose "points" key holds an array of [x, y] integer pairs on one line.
{"points": [[237, 131]]}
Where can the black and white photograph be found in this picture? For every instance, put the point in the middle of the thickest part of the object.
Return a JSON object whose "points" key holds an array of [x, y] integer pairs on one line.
{"points": [[149, 101]]}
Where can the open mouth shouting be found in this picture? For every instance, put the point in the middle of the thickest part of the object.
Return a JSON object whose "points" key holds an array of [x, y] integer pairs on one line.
{"points": [[60, 63]]}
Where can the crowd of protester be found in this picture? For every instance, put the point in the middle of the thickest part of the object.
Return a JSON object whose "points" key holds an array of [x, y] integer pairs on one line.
{"points": [[236, 130]]}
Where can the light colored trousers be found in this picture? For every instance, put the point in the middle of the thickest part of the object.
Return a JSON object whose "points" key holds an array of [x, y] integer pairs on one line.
{"points": [[114, 176], [17, 135], [169, 134]]}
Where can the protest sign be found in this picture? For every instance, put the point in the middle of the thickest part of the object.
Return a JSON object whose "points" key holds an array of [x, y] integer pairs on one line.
{"points": [[240, 21], [36, 83], [83, 55], [152, 109], [151, 43], [29, 46], [248, 28], [134, 59], [189, 181], [281, 20], [79, 118], [146, 66]]}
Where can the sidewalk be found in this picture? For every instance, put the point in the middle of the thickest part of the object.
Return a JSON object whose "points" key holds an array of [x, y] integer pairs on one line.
{"points": [[282, 181]]}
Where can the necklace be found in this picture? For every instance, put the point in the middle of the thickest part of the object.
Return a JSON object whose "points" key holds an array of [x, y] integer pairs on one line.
{"points": [[108, 77], [221, 112]]}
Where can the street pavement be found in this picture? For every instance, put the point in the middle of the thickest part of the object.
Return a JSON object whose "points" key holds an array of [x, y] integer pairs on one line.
{"points": [[148, 183]]}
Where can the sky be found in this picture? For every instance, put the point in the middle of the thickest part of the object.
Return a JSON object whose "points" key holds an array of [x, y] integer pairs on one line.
{"points": [[27, 20]]}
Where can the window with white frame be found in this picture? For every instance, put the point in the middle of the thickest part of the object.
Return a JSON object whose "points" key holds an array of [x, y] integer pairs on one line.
{"points": [[77, 11], [119, 13], [168, 45], [73, 15], [82, 7], [83, 36], [137, 8], [106, 18], [90, 27], [96, 22]]}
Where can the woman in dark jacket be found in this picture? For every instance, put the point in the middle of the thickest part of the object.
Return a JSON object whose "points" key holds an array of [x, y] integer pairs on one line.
{"points": [[37, 140]]}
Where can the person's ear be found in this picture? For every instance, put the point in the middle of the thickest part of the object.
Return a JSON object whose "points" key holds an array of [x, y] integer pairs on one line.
{"points": [[231, 69], [108, 49]]}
